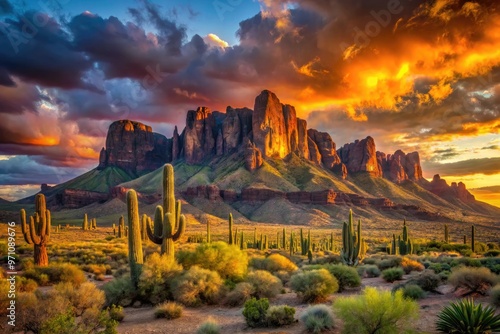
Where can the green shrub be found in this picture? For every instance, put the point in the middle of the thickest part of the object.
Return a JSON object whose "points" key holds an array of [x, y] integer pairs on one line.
{"points": [[314, 285], [376, 311], [56, 273], [264, 284], [372, 271], [282, 315], [495, 295], [116, 313], [389, 262], [198, 286], [492, 253], [439, 267], [472, 279], [158, 272], [120, 291], [467, 317], [413, 291], [168, 310], [317, 318], [240, 294], [427, 280], [209, 327], [227, 260], [273, 263], [392, 274], [346, 276], [255, 311], [82, 297]]}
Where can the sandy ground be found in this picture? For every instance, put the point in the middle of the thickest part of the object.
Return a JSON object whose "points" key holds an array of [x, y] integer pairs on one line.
{"points": [[142, 321]]}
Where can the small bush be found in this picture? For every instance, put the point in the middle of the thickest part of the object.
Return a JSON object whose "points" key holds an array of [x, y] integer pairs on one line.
{"points": [[427, 280], [314, 285], [495, 295], [410, 265], [255, 311], [120, 291], [116, 313], [83, 297], [346, 276], [389, 262], [376, 311], [56, 273], [197, 286], [227, 260], [24, 284], [282, 315], [392, 274], [472, 279], [467, 317], [439, 267], [372, 271], [317, 318], [413, 291], [240, 294], [264, 284], [168, 310], [492, 253], [273, 263], [158, 272], [209, 327]]}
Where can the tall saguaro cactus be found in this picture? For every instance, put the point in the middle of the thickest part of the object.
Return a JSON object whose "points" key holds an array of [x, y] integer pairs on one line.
{"points": [[446, 234], [353, 246], [169, 224], [38, 232], [405, 244], [121, 227], [135, 256], [473, 239], [231, 235], [85, 223]]}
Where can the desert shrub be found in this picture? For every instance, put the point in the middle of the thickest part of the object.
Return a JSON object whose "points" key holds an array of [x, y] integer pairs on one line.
{"points": [[389, 262], [83, 297], [492, 264], [346, 276], [273, 263], [467, 317], [413, 291], [283, 275], [227, 260], [197, 286], [410, 265], [473, 279], [120, 291], [370, 261], [392, 274], [56, 273], [495, 295], [209, 327], [492, 253], [282, 315], [264, 284], [372, 270], [116, 313], [376, 311], [157, 274], [466, 261], [427, 280], [97, 269], [317, 318], [314, 285], [439, 267], [255, 311], [24, 284], [240, 294], [168, 310]]}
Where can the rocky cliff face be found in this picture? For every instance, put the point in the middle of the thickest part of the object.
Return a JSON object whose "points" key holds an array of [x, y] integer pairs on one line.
{"points": [[441, 188], [399, 166], [133, 147], [361, 156]]}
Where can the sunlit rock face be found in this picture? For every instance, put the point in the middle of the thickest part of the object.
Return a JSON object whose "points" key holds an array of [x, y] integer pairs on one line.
{"points": [[399, 167], [200, 135], [133, 147], [361, 156], [441, 188]]}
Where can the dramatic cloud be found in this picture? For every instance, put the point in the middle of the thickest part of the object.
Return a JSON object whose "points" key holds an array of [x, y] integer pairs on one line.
{"points": [[486, 166]]}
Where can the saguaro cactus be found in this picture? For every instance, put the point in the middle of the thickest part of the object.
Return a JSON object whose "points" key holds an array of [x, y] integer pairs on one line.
{"points": [[231, 235], [353, 246], [135, 256], [169, 224], [284, 238], [208, 231], [405, 243], [291, 243], [85, 223], [446, 234], [38, 232], [121, 227], [473, 239]]}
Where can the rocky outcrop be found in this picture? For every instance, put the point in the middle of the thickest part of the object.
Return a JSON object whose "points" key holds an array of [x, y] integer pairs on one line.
{"points": [[199, 136], [260, 195], [326, 147], [176, 145], [253, 156], [361, 156], [76, 198], [236, 126], [133, 147], [303, 145], [458, 190], [314, 154], [400, 167], [292, 134], [268, 126]]}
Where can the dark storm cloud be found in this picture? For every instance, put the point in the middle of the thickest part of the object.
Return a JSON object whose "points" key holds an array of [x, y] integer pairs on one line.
{"points": [[36, 48], [487, 166], [5, 7]]}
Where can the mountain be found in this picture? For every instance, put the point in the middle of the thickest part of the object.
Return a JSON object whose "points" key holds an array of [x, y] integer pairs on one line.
{"points": [[263, 163]]}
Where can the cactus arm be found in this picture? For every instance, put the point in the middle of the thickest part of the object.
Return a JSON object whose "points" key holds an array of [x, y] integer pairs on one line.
{"points": [[48, 223], [34, 237], [178, 210], [158, 221], [153, 237], [24, 227], [180, 229]]}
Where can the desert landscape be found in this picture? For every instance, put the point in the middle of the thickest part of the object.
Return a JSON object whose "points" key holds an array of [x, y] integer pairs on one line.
{"points": [[259, 166]]}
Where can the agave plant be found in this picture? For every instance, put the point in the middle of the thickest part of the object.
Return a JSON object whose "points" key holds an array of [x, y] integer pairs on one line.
{"points": [[467, 317]]}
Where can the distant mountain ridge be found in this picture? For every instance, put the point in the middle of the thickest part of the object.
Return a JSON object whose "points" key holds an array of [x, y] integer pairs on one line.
{"points": [[265, 154]]}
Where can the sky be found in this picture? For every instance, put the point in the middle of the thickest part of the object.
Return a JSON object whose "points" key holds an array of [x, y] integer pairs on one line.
{"points": [[415, 75]]}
